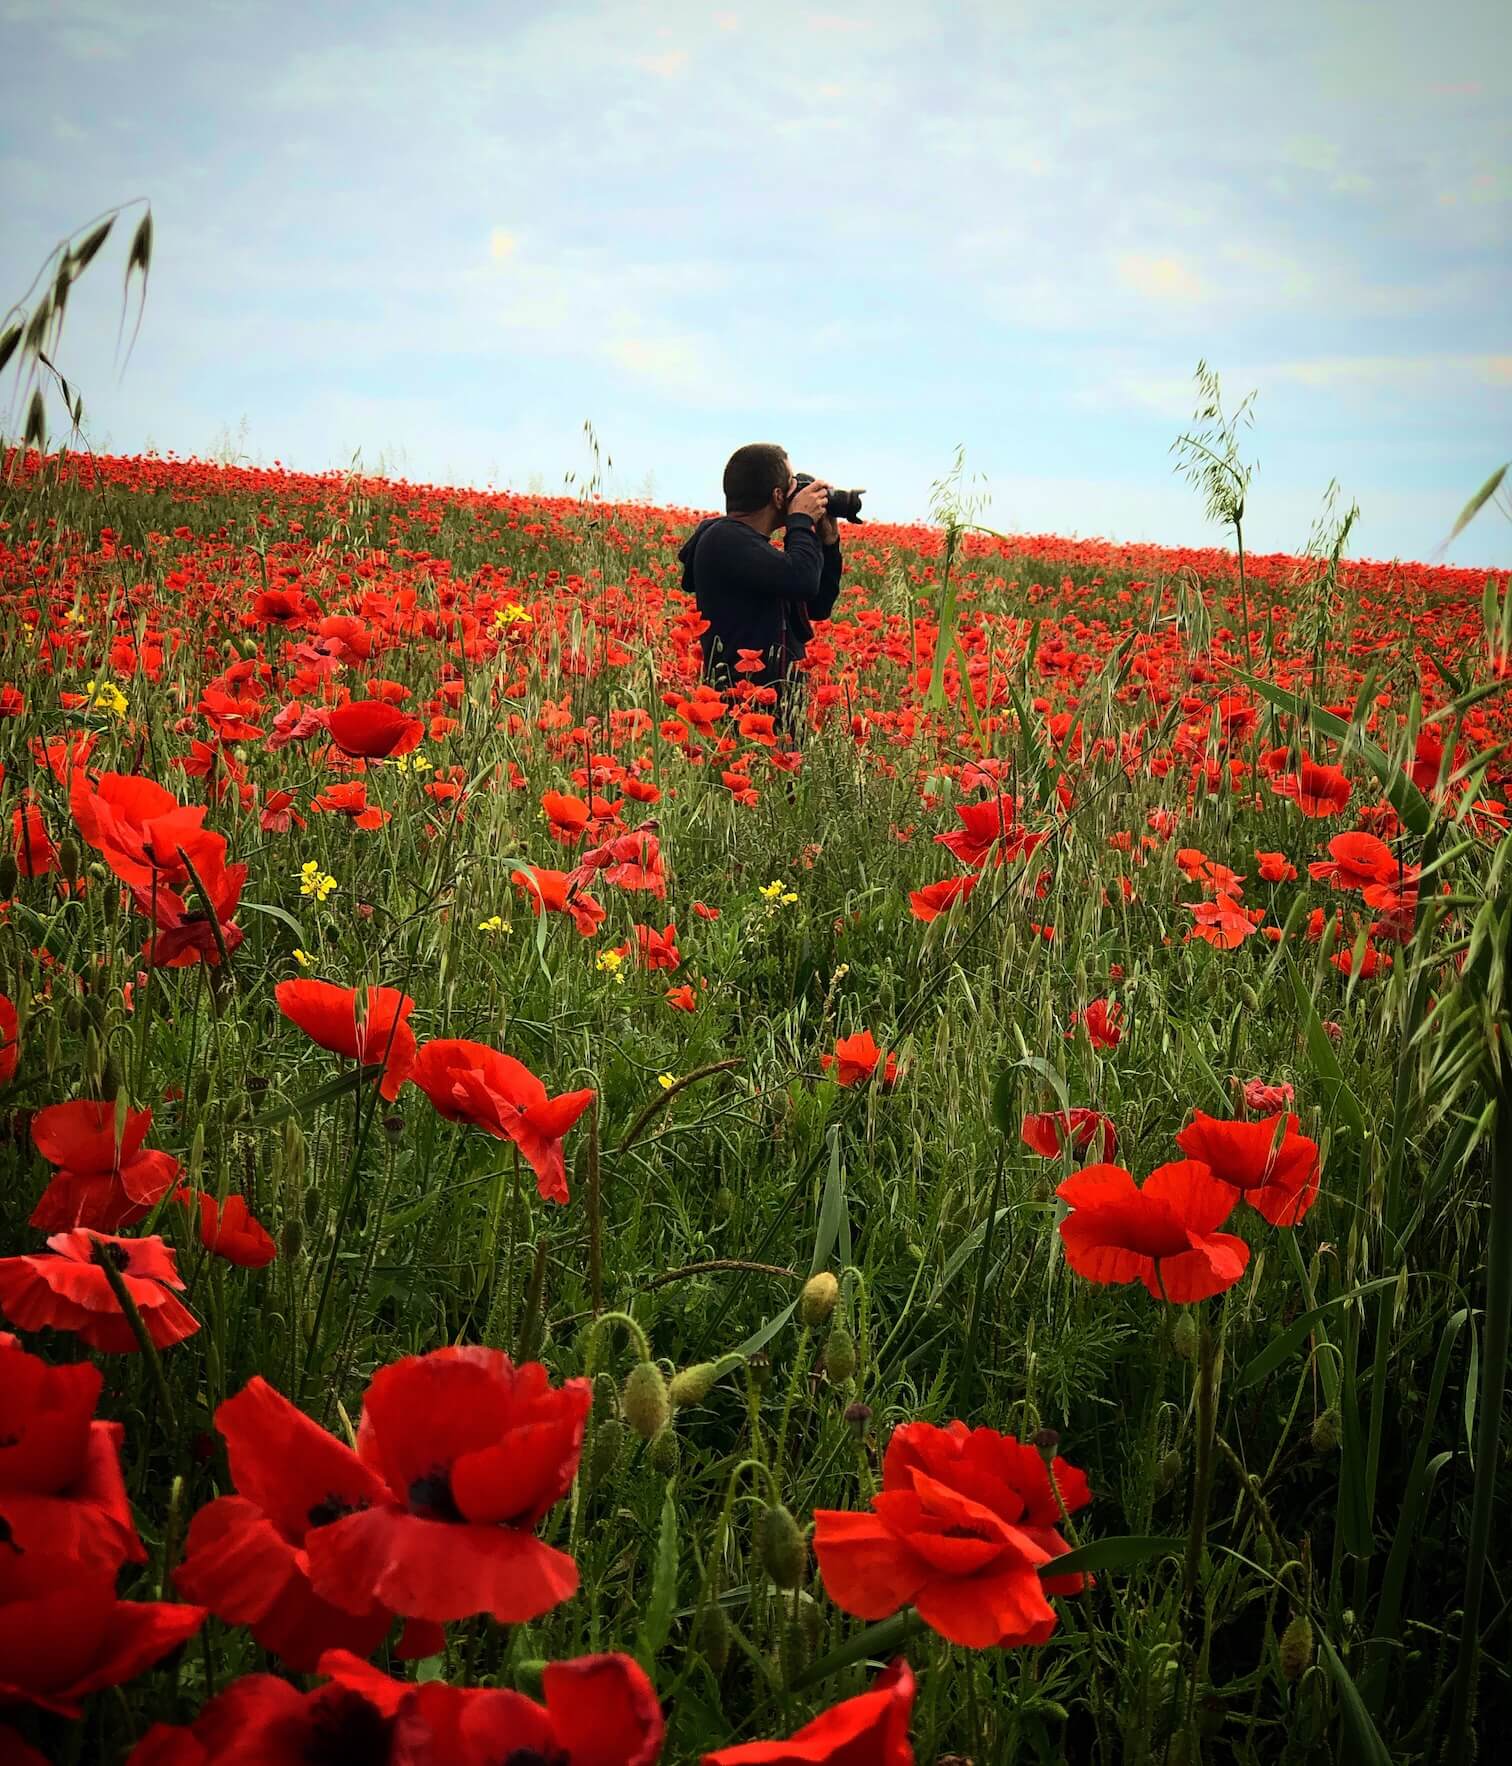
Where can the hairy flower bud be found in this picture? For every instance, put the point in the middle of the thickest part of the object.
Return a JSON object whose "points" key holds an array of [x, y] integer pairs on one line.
{"points": [[1325, 1432], [1184, 1337], [664, 1452], [1168, 1471], [817, 1301], [68, 859], [780, 1546], [291, 1237], [605, 1395], [1296, 1647], [839, 1356], [644, 1400], [712, 1633], [608, 1439], [693, 1384], [10, 876]]}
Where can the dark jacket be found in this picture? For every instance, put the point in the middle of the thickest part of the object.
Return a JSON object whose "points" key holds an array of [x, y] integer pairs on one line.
{"points": [[756, 597]]}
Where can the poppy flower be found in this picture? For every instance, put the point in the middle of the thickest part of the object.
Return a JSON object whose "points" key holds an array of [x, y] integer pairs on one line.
{"points": [[229, 1230], [1050, 1131], [683, 998], [1274, 1168], [557, 892], [470, 1082], [705, 912], [68, 1291], [983, 825], [1164, 1234], [370, 1026], [1267, 1099], [1316, 790], [350, 799], [566, 816], [10, 1039], [963, 1522], [1371, 962], [15, 1750], [474, 1452], [1222, 922], [61, 1488], [658, 950], [138, 828], [369, 729], [1103, 1020], [934, 899], [245, 1557], [597, 1711], [631, 861], [856, 1058], [98, 1182], [186, 933], [868, 1730], [34, 851], [64, 1635], [278, 814], [1275, 867]]}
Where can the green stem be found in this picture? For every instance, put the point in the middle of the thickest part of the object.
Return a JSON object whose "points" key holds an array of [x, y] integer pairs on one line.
{"points": [[144, 1341], [1207, 1414], [876, 1640]]}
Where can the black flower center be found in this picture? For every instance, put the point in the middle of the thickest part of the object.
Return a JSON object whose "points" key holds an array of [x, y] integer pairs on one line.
{"points": [[534, 1757], [333, 1508], [116, 1255], [431, 1496], [346, 1730]]}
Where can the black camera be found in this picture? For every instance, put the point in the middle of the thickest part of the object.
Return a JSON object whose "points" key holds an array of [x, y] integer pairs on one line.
{"points": [[843, 505]]}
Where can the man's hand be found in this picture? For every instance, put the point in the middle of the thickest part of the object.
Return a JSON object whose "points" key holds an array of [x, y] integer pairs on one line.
{"points": [[828, 532], [812, 501]]}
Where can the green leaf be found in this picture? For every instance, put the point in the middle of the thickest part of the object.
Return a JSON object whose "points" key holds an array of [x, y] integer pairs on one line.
{"points": [[1004, 1097], [1478, 502], [1366, 1745], [277, 913], [1120, 1552], [834, 1221], [322, 1094], [658, 1618], [1325, 1062], [1279, 1348]]}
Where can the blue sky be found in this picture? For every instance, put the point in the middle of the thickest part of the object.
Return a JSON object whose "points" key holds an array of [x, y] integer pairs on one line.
{"points": [[448, 235]]}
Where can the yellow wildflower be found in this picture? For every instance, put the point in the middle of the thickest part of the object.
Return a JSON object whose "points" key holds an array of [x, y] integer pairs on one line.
{"points": [[494, 923], [666, 1080], [302, 957], [314, 881]]}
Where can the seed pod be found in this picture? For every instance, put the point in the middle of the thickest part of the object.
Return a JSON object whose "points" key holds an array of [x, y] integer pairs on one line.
{"points": [[68, 859], [1296, 1647], [760, 1365], [780, 1546], [608, 1439], [712, 1634], [664, 1453], [393, 1129], [858, 1416], [818, 1299], [10, 876], [839, 1356], [644, 1400], [693, 1384], [1325, 1432], [1184, 1337]]}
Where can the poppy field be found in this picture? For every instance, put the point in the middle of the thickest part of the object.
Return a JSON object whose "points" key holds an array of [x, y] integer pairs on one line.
{"points": [[547, 1222]]}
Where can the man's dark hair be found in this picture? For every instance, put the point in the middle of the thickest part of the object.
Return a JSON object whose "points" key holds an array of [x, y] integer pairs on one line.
{"points": [[753, 473]]}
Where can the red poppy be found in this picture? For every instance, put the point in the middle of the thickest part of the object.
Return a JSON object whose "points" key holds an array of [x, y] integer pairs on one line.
{"points": [[138, 828], [1371, 962], [1276, 867], [15, 1750], [567, 816], [1274, 1168], [474, 1452], [984, 825], [705, 912], [1316, 790], [1103, 1019], [1223, 922], [64, 1635], [598, 1711], [186, 934], [1261, 1095], [370, 1026], [60, 1470], [682, 998], [934, 899], [10, 1039], [278, 814], [869, 1730], [350, 799], [369, 729], [69, 1291], [229, 1230], [35, 853], [98, 1182], [1164, 1234], [630, 861], [856, 1058], [658, 950], [558, 892], [245, 1557], [1047, 1133], [470, 1082], [964, 1521]]}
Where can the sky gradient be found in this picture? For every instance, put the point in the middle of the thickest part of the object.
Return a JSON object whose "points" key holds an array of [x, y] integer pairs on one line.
{"points": [[445, 237]]}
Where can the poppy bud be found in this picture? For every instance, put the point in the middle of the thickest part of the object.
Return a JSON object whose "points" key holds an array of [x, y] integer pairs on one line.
{"points": [[818, 1299], [782, 1549], [1249, 996], [1168, 1471], [692, 1385], [73, 1016], [1325, 1432], [644, 1400], [608, 1438], [605, 1395], [68, 859], [110, 905], [839, 1356], [663, 1453], [110, 1077], [307, 1324], [9, 876], [312, 1204], [724, 1202], [291, 1238], [1296, 1647], [793, 1649], [1184, 1337], [199, 1088], [94, 1011], [713, 1636]]}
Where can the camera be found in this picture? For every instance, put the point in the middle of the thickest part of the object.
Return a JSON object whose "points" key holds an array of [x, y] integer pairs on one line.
{"points": [[843, 505]]}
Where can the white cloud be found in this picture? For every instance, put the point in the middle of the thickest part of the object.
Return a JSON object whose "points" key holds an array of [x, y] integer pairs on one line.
{"points": [[671, 64], [501, 244], [1161, 278]]}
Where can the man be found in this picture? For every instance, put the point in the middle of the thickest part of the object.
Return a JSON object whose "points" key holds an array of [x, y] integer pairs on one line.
{"points": [[755, 598]]}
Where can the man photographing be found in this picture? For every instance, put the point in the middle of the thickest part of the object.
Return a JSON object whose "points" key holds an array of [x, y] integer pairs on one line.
{"points": [[755, 598]]}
